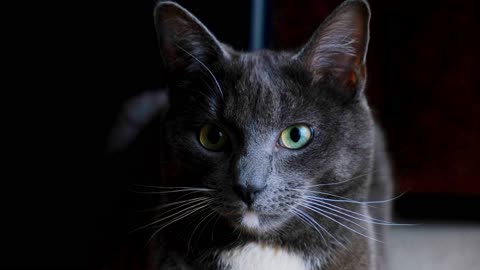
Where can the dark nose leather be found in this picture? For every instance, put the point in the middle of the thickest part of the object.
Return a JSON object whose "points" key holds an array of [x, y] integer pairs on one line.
{"points": [[248, 193]]}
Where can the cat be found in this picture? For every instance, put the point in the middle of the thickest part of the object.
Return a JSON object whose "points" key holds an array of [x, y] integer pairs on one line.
{"points": [[270, 160]]}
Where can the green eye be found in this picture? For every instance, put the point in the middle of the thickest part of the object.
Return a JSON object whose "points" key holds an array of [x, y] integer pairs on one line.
{"points": [[296, 136], [212, 137]]}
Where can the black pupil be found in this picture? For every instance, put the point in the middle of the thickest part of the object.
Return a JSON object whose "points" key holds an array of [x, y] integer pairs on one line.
{"points": [[295, 134], [215, 135]]}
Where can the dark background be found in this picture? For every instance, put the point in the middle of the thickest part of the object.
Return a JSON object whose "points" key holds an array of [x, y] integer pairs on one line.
{"points": [[63, 208]]}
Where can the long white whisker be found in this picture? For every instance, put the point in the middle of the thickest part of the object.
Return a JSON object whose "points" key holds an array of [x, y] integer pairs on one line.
{"points": [[205, 201], [342, 217], [369, 202], [365, 218], [321, 227], [201, 213], [213, 227], [188, 194], [208, 221], [325, 193], [345, 199], [209, 107], [388, 223], [160, 187], [196, 227], [325, 214], [175, 220], [307, 222], [183, 205], [170, 191], [338, 183], [324, 204], [156, 208], [205, 66]]}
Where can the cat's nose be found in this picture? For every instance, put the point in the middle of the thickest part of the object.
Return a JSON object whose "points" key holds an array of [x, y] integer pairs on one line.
{"points": [[248, 193]]}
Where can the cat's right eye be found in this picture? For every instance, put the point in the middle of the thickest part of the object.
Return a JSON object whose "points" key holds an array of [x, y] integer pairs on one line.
{"points": [[212, 137], [296, 136]]}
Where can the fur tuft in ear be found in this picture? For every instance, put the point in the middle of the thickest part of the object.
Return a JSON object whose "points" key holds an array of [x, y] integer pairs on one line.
{"points": [[338, 48], [186, 44]]}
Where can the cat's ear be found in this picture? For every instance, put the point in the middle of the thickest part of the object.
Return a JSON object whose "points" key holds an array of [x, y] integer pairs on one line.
{"points": [[338, 48], [186, 44]]}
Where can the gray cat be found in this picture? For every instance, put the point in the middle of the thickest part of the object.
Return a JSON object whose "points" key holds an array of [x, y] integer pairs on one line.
{"points": [[271, 160]]}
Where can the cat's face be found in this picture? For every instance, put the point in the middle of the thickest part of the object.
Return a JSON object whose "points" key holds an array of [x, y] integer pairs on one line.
{"points": [[263, 130]]}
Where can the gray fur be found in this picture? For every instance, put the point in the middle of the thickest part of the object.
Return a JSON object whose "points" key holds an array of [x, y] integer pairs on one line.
{"points": [[254, 96]]}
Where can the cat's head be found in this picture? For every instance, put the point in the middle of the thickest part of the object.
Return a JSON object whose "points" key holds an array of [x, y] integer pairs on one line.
{"points": [[265, 130]]}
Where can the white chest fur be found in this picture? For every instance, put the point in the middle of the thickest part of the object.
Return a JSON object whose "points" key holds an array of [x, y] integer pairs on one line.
{"points": [[260, 257]]}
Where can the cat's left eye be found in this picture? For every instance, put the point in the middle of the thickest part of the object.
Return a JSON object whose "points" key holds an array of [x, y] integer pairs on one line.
{"points": [[296, 136], [212, 137]]}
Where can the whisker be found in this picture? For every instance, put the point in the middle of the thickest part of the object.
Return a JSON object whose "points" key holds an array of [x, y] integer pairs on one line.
{"points": [[323, 228], [205, 201], [307, 222], [365, 218], [156, 208], [342, 182], [325, 193], [345, 199], [212, 106], [175, 220], [208, 221], [183, 205], [170, 190], [325, 214], [166, 192], [196, 227], [323, 203], [213, 227], [205, 66], [342, 217], [388, 223], [198, 215], [307, 216], [190, 193], [162, 187]]}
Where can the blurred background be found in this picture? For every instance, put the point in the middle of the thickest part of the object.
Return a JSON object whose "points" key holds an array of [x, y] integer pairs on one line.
{"points": [[422, 85]]}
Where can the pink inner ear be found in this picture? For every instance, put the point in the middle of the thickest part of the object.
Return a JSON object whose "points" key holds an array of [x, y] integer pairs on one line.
{"points": [[338, 48], [354, 77], [348, 77]]}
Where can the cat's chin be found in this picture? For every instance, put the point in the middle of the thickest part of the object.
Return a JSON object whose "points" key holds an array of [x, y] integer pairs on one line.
{"points": [[250, 219], [253, 222]]}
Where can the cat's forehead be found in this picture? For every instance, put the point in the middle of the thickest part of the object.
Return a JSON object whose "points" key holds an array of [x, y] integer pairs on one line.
{"points": [[261, 91], [262, 69]]}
